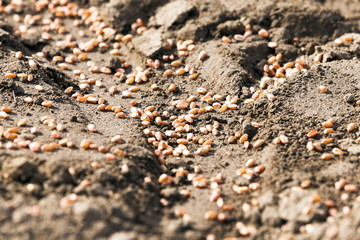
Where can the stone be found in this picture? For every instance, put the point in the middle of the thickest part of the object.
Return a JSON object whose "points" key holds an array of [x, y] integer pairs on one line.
{"points": [[173, 12], [113, 63], [149, 43]]}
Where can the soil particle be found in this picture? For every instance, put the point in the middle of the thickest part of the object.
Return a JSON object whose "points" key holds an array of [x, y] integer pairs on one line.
{"points": [[270, 216], [113, 63], [20, 168], [230, 27], [88, 211], [58, 173], [32, 38]]}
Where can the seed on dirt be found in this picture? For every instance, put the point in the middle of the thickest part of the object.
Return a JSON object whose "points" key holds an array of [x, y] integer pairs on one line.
{"points": [[256, 125], [240, 189], [284, 139], [327, 124], [3, 114], [326, 156], [32, 64], [28, 100], [263, 33], [258, 143], [272, 45], [10, 75], [231, 139], [350, 188], [55, 134], [85, 143], [337, 151], [210, 215], [277, 140], [168, 72], [33, 130], [317, 146], [35, 146], [200, 182], [63, 141], [103, 149], [254, 186], [6, 109], [310, 146], [91, 128], [94, 165], [351, 127], [172, 87], [202, 55], [39, 88], [326, 141], [46, 148], [18, 54], [248, 101], [176, 63], [259, 169], [322, 89], [180, 71], [250, 163], [318, 58], [47, 103], [328, 130], [30, 77], [165, 179], [312, 133], [116, 138], [110, 156], [340, 184], [21, 122], [243, 138], [226, 39], [305, 183]]}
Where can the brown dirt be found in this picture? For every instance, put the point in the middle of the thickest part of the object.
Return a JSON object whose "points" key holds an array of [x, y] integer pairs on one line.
{"points": [[120, 205]]}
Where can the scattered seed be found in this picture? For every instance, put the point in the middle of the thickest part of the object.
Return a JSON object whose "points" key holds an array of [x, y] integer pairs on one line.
{"points": [[305, 183], [350, 188], [337, 152], [258, 143], [172, 87], [351, 127], [91, 128], [272, 45], [326, 141], [259, 169], [202, 55], [47, 103], [18, 54], [323, 89], [263, 33], [312, 133], [250, 163], [326, 156], [210, 215]]}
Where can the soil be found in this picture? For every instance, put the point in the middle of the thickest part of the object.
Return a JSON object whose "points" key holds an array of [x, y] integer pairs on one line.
{"points": [[116, 200]]}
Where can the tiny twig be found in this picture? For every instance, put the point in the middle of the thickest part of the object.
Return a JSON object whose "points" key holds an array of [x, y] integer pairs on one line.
{"points": [[14, 96]]}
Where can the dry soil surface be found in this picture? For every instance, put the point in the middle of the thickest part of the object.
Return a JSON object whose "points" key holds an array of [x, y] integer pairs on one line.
{"points": [[225, 154]]}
